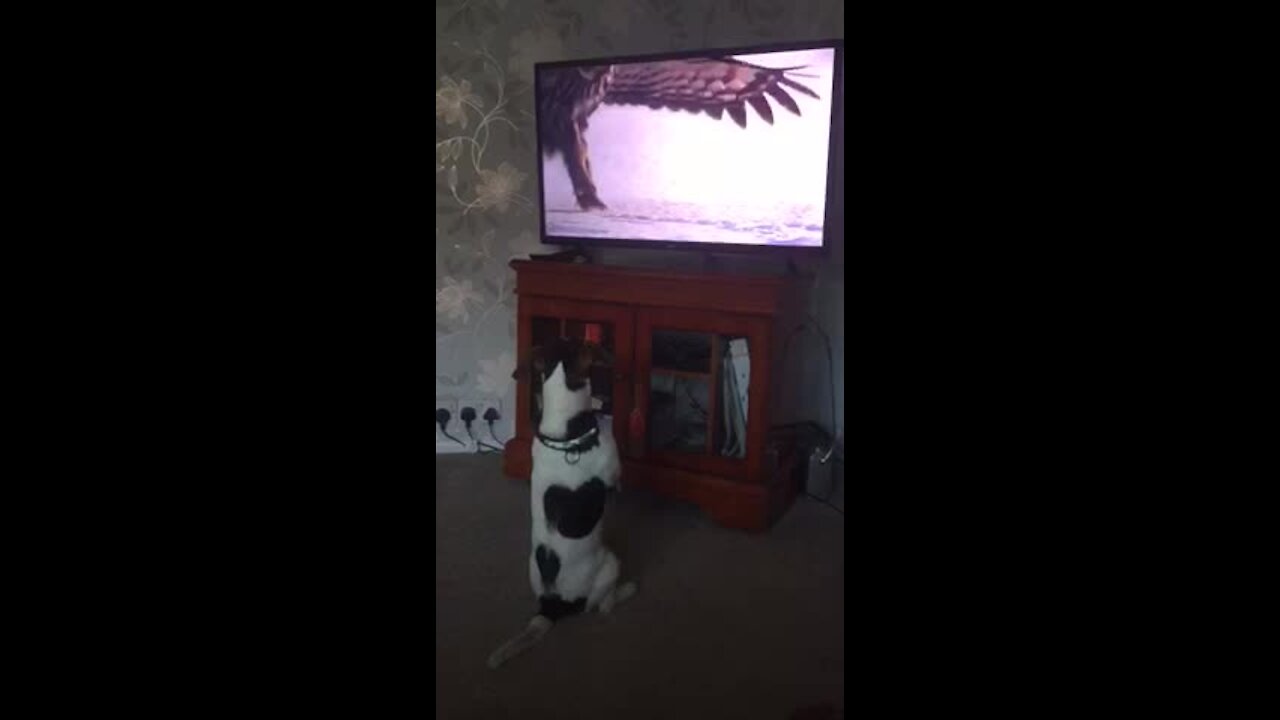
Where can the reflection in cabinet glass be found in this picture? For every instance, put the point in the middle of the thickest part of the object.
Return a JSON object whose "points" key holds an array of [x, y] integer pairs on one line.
{"points": [[698, 393], [704, 325], [546, 329]]}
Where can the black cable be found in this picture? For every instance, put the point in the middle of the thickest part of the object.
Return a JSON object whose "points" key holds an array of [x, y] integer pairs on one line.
{"points": [[468, 416], [831, 380], [835, 479], [491, 416], [481, 445], [494, 435], [831, 377], [831, 366], [442, 419], [830, 494], [825, 502]]}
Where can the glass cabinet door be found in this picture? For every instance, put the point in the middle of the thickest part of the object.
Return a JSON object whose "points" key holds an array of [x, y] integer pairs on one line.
{"points": [[698, 393], [693, 389], [543, 320], [547, 328]]}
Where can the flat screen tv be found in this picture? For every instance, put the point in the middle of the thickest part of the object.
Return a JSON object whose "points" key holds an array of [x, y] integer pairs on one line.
{"points": [[713, 150]]}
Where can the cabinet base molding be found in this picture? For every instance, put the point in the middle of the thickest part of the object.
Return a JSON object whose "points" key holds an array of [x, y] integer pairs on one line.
{"points": [[729, 503]]}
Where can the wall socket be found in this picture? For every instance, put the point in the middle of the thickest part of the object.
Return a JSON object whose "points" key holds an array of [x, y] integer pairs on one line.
{"points": [[480, 427], [481, 404], [454, 427]]}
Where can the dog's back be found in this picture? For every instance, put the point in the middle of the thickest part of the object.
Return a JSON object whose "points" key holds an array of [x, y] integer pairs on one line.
{"points": [[569, 493], [575, 467]]}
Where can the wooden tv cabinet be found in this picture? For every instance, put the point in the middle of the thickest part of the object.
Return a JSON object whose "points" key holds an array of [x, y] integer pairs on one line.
{"points": [[664, 397]]}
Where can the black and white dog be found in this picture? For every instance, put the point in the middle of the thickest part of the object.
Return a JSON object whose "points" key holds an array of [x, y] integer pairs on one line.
{"points": [[575, 466]]}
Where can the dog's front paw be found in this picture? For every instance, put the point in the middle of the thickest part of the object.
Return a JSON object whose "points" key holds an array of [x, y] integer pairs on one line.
{"points": [[625, 591]]}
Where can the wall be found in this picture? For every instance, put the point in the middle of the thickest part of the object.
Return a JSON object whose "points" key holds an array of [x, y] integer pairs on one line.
{"points": [[486, 181]]}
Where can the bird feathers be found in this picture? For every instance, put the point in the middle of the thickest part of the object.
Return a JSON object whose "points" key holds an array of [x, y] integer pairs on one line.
{"points": [[710, 85]]}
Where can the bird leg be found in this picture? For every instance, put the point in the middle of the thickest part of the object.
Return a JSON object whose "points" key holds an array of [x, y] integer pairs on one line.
{"points": [[579, 164]]}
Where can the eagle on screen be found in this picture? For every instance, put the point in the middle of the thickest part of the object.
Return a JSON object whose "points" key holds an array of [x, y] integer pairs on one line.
{"points": [[568, 96]]}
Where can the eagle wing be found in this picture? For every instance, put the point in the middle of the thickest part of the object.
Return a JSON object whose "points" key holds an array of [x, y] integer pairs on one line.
{"points": [[710, 85]]}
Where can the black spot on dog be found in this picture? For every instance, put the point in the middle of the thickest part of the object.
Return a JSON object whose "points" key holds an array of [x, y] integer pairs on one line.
{"points": [[576, 355], [566, 352], [580, 425], [575, 513], [553, 607], [548, 564], [574, 380]]}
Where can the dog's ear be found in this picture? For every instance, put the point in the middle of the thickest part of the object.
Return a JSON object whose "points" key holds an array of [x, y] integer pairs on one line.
{"points": [[598, 353], [582, 358], [536, 361], [588, 355]]}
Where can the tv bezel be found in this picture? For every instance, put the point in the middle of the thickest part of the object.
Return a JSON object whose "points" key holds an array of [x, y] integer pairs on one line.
{"points": [[834, 142]]}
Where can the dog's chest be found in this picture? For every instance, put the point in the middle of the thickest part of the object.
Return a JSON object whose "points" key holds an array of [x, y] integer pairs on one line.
{"points": [[569, 490], [568, 499]]}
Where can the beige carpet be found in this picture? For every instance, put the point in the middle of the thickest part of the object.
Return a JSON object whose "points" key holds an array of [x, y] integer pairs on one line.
{"points": [[725, 624]]}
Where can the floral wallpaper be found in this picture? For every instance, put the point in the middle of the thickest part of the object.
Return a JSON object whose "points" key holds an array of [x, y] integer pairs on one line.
{"points": [[486, 181]]}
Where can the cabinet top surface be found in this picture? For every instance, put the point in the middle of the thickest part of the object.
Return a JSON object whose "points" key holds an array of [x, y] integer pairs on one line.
{"points": [[750, 294], [640, 274]]}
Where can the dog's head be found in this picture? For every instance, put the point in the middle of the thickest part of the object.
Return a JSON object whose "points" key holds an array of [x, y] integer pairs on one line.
{"points": [[575, 356]]}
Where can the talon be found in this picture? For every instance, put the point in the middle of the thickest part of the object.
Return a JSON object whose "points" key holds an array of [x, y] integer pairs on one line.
{"points": [[590, 201]]}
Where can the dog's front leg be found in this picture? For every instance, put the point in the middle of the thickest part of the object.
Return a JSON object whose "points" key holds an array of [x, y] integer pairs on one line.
{"points": [[613, 475], [601, 594]]}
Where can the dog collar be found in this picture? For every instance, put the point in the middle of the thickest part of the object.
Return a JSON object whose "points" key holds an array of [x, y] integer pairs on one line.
{"points": [[571, 447]]}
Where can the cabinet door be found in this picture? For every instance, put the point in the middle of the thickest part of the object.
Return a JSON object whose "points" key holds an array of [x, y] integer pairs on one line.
{"points": [[700, 397], [611, 326]]}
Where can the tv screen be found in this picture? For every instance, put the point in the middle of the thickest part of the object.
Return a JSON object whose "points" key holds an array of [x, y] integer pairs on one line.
{"points": [[723, 148]]}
